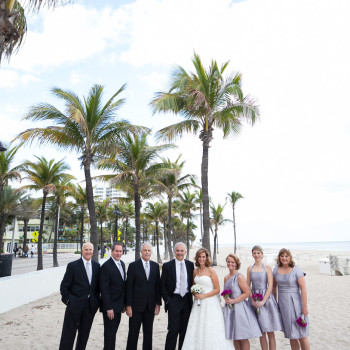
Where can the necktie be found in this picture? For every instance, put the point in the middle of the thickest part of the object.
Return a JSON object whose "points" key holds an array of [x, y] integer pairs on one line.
{"points": [[120, 269], [147, 269], [88, 271], [183, 279]]}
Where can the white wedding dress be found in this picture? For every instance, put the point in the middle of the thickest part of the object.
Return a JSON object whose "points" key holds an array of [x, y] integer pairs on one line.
{"points": [[206, 329]]}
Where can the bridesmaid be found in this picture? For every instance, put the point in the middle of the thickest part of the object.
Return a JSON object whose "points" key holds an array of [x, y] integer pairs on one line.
{"points": [[269, 318], [292, 299], [240, 321]]}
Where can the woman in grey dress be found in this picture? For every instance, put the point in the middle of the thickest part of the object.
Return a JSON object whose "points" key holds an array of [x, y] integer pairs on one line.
{"points": [[240, 321], [292, 299], [268, 315]]}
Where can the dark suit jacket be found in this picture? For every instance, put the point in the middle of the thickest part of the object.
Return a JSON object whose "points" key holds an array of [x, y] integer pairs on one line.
{"points": [[168, 280], [143, 294], [75, 288], [112, 286]]}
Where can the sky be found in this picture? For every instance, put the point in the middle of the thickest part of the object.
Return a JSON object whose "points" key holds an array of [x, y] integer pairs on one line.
{"points": [[292, 167]]}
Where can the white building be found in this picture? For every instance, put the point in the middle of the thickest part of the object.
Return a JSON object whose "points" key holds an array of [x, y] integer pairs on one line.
{"points": [[102, 193]]}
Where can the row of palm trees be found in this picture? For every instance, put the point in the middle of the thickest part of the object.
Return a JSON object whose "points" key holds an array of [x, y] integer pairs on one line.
{"points": [[204, 98]]}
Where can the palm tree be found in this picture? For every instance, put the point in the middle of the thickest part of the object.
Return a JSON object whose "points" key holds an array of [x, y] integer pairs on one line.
{"points": [[6, 172], [134, 168], [188, 205], [128, 211], [89, 127], [80, 197], [217, 220], [63, 189], [234, 197], [102, 216], [206, 100], [28, 209], [171, 183], [155, 212], [13, 24], [10, 204], [43, 176]]}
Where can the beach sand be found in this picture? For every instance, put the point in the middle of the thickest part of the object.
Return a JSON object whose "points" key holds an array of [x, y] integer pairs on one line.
{"points": [[38, 325]]}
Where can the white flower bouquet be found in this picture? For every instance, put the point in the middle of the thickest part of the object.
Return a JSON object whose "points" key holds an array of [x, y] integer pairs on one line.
{"points": [[197, 288]]}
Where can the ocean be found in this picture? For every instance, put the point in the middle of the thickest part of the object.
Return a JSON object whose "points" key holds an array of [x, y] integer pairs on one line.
{"points": [[343, 246]]}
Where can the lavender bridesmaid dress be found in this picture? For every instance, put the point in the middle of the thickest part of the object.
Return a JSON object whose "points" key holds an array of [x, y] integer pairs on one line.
{"points": [[269, 317], [240, 321], [289, 301]]}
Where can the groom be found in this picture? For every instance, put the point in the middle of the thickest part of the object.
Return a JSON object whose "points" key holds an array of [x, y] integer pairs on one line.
{"points": [[176, 283]]}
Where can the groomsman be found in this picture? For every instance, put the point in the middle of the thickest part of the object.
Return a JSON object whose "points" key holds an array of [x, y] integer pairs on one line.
{"points": [[176, 282], [80, 292], [142, 298], [112, 282]]}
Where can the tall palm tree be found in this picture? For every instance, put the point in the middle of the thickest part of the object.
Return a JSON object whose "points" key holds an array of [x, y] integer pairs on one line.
{"points": [[234, 197], [128, 211], [13, 24], [63, 189], [155, 212], [102, 217], [10, 204], [217, 220], [206, 100], [7, 173], [80, 197], [134, 168], [171, 183], [88, 127], [43, 175]]}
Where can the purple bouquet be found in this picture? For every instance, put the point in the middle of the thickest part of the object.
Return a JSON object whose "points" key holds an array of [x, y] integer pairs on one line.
{"points": [[225, 293], [301, 321], [257, 297]]}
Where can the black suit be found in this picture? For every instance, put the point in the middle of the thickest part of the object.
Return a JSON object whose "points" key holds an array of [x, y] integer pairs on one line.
{"points": [[179, 308], [112, 298], [82, 300], [142, 295]]}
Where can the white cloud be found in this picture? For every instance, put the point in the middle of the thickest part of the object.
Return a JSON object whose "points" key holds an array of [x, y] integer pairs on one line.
{"points": [[10, 78]]}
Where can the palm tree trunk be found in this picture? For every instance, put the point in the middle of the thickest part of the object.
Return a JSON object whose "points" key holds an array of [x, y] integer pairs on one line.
{"points": [[91, 207], [126, 232], [101, 244], [205, 193], [41, 229], [25, 231], [166, 252], [137, 223], [82, 230], [214, 255], [55, 260], [188, 238], [169, 229], [234, 229], [159, 260], [3, 219]]}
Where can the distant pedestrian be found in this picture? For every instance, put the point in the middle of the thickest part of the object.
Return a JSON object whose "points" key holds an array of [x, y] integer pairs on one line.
{"points": [[20, 251], [32, 251], [15, 250], [25, 250]]}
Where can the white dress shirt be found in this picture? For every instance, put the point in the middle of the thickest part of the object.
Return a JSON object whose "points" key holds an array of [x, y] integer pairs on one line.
{"points": [[119, 266], [178, 267]]}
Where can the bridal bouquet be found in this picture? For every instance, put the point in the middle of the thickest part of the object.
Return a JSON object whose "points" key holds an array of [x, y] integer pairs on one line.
{"points": [[197, 288], [257, 297], [301, 321], [225, 293]]}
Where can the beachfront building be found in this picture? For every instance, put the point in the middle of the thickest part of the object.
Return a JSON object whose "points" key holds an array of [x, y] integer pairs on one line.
{"points": [[13, 236], [101, 193]]}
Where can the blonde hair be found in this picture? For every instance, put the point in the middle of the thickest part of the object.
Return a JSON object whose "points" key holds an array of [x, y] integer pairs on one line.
{"points": [[236, 259], [198, 253], [288, 253]]}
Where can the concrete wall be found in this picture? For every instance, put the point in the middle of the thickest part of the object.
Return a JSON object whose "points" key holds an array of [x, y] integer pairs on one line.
{"points": [[21, 289]]}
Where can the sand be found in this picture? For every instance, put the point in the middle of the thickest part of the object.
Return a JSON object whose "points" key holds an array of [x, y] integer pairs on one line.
{"points": [[38, 325]]}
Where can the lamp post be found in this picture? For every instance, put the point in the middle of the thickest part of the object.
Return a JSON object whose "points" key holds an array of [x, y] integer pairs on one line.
{"points": [[116, 212], [2, 148]]}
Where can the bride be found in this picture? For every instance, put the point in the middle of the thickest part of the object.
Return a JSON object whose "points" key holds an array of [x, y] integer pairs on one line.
{"points": [[206, 329]]}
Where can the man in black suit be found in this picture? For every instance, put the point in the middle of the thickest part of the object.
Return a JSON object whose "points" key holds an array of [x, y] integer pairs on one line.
{"points": [[142, 298], [112, 282], [80, 292], [176, 282]]}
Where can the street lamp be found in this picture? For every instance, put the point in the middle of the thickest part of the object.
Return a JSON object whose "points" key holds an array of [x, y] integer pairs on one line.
{"points": [[2, 148], [116, 212]]}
